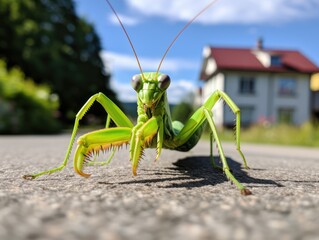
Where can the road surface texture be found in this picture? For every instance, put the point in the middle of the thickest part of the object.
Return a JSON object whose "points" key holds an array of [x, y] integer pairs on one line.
{"points": [[178, 197]]}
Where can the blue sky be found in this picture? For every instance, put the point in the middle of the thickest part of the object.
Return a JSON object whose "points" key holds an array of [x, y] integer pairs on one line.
{"points": [[152, 25]]}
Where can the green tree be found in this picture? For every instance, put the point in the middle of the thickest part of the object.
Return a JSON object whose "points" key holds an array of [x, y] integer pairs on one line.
{"points": [[25, 106], [52, 45]]}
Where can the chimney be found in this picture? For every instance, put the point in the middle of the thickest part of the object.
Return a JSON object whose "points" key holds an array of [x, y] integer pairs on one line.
{"points": [[260, 44]]}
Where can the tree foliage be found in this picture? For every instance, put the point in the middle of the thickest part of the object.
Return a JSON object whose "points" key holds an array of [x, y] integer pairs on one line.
{"points": [[24, 106], [182, 111], [52, 45]]}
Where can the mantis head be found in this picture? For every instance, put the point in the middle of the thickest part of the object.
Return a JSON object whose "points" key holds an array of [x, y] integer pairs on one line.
{"points": [[150, 87]]}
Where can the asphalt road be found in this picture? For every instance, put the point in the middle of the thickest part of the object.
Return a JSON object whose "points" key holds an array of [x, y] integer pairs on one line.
{"points": [[178, 197]]}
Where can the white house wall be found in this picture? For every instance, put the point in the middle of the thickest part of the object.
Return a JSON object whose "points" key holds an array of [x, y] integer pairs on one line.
{"points": [[263, 57], [300, 102], [257, 101], [265, 101], [211, 67]]}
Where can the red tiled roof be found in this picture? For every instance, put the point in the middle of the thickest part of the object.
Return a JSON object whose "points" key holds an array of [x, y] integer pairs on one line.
{"points": [[244, 59]]}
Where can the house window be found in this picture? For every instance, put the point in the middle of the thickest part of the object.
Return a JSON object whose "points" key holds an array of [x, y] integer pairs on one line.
{"points": [[275, 60], [287, 87], [286, 115], [247, 85], [246, 115]]}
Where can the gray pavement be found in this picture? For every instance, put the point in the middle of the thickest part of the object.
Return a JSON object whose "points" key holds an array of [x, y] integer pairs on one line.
{"points": [[178, 197]]}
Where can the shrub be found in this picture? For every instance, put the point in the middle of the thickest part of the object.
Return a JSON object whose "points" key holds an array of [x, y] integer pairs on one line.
{"points": [[24, 106]]}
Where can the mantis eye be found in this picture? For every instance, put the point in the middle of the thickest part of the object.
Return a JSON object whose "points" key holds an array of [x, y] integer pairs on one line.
{"points": [[163, 81], [136, 82]]}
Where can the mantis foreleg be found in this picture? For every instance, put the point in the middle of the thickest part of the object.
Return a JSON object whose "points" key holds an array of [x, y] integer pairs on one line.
{"points": [[114, 113], [142, 137], [96, 141]]}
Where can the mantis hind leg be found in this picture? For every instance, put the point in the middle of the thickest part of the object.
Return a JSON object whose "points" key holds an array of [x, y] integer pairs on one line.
{"points": [[208, 115], [114, 113], [189, 134], [212, 160], [226, 168], [209, 104]]}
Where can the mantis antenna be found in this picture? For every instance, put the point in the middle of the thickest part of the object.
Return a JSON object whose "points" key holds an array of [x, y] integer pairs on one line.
{"points": [[182, 30], [128, 37], [169, 47]]}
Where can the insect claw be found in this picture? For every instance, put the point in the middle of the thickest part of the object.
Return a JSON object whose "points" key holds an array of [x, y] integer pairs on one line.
{"points": [[134, 171], [245, 192], [80, 158], [28, 177]]}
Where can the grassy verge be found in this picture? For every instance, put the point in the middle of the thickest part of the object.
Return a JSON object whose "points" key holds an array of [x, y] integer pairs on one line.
{"points": [[304, 135]]}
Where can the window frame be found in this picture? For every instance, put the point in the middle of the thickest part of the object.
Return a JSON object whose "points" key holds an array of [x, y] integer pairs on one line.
{"points": [[275, 60], [247, 85], [287, 87]]}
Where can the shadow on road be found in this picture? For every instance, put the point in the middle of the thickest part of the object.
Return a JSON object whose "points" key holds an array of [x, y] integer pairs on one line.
{"points": [[194, 172], [200, 168]]}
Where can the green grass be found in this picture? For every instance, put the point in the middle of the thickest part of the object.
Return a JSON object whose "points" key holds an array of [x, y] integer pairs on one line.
{"points": [[304, 135]]}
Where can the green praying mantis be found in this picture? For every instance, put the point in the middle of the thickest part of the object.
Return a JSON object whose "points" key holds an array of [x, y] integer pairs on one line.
{"points": [[154, 127]]}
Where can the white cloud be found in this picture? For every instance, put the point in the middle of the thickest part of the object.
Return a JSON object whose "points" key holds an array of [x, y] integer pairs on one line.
{"points": [[179, 89], [128, 62], [126, 20], [229, 11], [124, 91]]}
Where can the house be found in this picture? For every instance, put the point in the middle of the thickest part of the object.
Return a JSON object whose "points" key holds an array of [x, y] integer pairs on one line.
{"points": [[268, 85]]}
